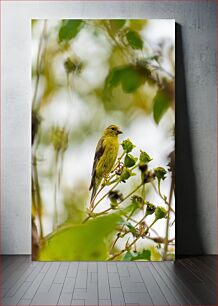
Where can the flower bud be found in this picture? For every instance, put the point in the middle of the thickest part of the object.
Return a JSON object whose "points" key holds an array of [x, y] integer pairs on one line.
{"points": [[59, 139], [72, 66], [160, 173], [138, 202], [150, 209], [126, 173], [127, 145], [160, 212], [144, 158], [143, 167], [115, 196], [114, 204], [147, 177]]}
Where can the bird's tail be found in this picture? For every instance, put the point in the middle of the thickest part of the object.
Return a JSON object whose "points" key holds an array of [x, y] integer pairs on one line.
{"points": [[94, 190], [94, 186]]}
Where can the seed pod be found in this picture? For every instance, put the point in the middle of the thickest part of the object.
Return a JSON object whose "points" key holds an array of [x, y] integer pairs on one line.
{"points": [[150, 209], [59, 139], [72, 66], [115, 196], [160, 173], [144, 158], [126, 173], [129, 160], [160, 212], [138, 202], [127, 145]]}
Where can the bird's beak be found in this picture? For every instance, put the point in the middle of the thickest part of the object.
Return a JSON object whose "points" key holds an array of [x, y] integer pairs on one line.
{"points": [[119, 132]]}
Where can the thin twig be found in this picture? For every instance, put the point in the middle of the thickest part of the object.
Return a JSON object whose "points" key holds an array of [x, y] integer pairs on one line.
{"points": [[162, 197], [105, 194], [121, 252], [38, 199], [105, 211], [55, 220], [119, 234], [162, 69], [168, 220], [132, 192]]}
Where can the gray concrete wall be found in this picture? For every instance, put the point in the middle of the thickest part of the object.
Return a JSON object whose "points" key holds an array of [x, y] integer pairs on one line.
{"points": [[198, 25]]}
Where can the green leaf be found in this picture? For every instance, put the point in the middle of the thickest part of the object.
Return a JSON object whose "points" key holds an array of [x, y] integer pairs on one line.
{"points": [[144, 255], [127, 145], [127, 256], [134, 40], [129, 160], [69, 29], [131, 228], [130, 77], [81, 242], [114, 77], [126, 211], [161, 103], [116, 24]]}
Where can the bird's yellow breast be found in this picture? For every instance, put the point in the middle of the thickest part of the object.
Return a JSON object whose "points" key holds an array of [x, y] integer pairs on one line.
{"points": [[109, 156]]}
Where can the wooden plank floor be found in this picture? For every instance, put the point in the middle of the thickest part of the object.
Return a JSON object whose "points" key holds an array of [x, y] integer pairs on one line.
{"points": [[188, 281]]}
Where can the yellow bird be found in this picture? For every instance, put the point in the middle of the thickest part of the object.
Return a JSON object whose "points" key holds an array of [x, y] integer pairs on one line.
{"points": [[105, 156]]}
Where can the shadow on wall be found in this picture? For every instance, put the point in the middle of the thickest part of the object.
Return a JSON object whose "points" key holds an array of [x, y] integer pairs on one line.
{"points": [[188, 234]]}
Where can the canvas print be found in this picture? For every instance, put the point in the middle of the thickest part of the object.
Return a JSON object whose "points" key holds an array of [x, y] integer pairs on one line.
{"points": [[103, 140]]}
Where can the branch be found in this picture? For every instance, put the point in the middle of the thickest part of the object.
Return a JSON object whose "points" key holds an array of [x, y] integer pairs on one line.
{"points": [[168, 220], [121, 252], [39, 64], [162, 197]]}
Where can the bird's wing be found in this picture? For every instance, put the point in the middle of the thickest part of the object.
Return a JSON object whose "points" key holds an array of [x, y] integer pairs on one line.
{"points": [[98, 153]]}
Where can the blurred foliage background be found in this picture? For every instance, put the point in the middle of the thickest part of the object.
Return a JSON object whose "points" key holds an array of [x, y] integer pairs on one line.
{"points": [[86, 75]]}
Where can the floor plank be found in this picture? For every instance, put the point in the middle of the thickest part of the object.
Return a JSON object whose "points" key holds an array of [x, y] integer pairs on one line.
{"points": [[103, 282], [155, 291], [48, 298], [203, 268], [187, 281], [170, 270], [206, 294]]}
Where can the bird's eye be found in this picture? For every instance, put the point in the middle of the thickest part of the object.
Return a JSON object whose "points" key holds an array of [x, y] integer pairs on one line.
{"points": [[113, 129]]}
